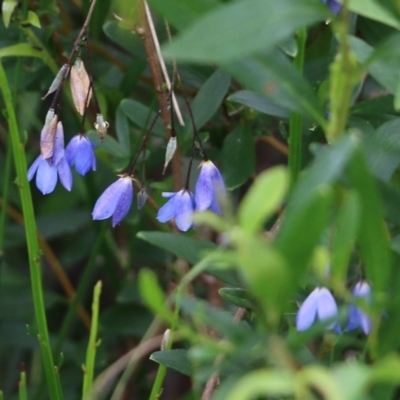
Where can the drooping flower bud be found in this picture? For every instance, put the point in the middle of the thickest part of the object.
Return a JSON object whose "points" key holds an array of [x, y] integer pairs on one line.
{"points": [[47, 135], [62, 73], [169, 153], [80, 86], [101, 126], [141, 198]]}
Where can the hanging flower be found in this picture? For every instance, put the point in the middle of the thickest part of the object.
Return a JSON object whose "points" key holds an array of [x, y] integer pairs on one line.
{"points": [[179, 206], [210, 187], [357, 317], [115, 201], [46, 170], [333, 5], [79, 151], [320, 305]]}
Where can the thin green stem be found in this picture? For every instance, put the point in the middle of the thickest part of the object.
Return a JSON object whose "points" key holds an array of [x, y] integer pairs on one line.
{"points": [[22, 391], [343, 78], [31, 237], [81, 290], [296, 120], [93, 343], [162, 369], [6, 192]]}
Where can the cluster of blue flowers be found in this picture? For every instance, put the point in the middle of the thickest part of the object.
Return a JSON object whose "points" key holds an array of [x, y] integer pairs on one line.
{"points": [[321, 305], [56, 160], [116, 200]]}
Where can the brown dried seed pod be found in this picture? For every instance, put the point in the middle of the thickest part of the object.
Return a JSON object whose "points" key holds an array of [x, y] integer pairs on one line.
{"points": [[80, 84], [57, 80], [47, 135]]}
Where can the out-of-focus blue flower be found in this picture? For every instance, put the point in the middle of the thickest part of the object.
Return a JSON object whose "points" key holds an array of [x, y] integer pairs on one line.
{"points": [[179, 206], [79, 151], [210, 187], [357, 317], [320, 305], [47, 169], [115, 201], [333, 5]]}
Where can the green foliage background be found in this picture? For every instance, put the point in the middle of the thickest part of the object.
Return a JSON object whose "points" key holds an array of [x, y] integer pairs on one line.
{"points": [[307, 189]]}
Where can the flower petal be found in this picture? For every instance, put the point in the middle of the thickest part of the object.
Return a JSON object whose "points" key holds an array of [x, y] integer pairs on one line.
{"points": [[70, 150], [327, 307], [167, 211], [33, 168], [59, 152], [204, 186], [184, 211], [124, 202], [46, 177], [106, 203], [83, 156], [64, 173], [353, 321], [308, 311]]}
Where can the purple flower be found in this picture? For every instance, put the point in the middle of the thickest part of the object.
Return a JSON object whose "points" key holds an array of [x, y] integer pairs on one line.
{"points": [[47, 169], [319, 304], [79, 151], [357, 317], [115, 201], [179, 206], [209, 187], [333, 5]]}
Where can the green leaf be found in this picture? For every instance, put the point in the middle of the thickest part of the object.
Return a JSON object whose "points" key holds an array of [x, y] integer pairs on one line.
{"points": [[33, 19], [152, 294], [258, 102], [237, 157], [327, 167], [236, 30], [385, 69], [176, 359], [263, 198], [122, 129], [345, 235], [21, 50], [266, 273], [372, 9], [208, 99], [383, 149], [141, 116], [275, 78], [182, 13], [374, 244], [301, 231], [7, 9], [122, 37], [236, 296], [181, 246], [263, 382], [110, 145], [201, 312]]}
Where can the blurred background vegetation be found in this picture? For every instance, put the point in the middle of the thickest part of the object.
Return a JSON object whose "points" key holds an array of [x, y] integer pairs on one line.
{"points": [[234, 282]]}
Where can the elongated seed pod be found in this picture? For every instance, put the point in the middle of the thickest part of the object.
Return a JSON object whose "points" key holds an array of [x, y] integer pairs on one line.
{"points": [[57, 80], [169, 153], [47, 135], [80, 84]]}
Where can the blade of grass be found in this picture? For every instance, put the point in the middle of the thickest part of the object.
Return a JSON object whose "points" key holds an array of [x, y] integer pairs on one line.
{"points": [[31, 237], [92, 345], [22, 392]]}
